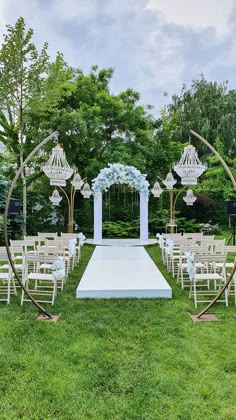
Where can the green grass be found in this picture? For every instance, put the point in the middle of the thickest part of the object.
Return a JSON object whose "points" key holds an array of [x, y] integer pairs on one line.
{"points": [[116, 359]]}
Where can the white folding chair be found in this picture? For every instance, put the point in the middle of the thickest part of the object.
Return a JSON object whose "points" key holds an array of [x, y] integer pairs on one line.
{"points": [[199, 284], [182, 275], [78, 246], [43, 286], [7, 283], [64, 243], [54, 251]]}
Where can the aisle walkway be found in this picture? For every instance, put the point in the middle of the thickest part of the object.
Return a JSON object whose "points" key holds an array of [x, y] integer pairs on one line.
{"points": [[118, 272]]}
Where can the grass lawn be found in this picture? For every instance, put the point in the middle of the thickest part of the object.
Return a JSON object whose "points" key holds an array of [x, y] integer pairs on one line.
{"points": [[117, 359]]}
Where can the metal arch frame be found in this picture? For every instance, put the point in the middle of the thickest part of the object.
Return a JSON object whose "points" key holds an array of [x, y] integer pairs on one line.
{"points": [[231, 176], [54, 135]]}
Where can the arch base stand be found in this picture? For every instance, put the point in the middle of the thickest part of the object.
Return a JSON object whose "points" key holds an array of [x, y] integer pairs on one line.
{"points": [[54, 317], [204, 318]]}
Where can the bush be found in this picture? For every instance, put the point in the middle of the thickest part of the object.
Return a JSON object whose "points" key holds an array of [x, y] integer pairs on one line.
{"points": [[158, 221], [120, 229]]}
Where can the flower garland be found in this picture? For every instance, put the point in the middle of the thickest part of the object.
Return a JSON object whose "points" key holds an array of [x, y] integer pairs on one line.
{"points": [[58, 268], [82, 238], [116, 173], [191, 268]]}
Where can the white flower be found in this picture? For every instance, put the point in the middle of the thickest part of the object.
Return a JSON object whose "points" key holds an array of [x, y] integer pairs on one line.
{"points": [[160, 240], [59, 269], [82, 239], [71, 247], [169, 246], [58, 264], [58, 274], [117, 173], [191, 269]]}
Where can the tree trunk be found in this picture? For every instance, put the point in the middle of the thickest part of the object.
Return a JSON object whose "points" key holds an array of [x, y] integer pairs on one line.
{"points": [[24, 194]]}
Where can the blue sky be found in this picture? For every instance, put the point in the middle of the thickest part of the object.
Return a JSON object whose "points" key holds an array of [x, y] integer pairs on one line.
{"points": [[154, 45]]}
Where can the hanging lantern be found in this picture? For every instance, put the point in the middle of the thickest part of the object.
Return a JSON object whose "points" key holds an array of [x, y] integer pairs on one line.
{"points": [[86, 191], [169, 182], [189, 168], [55, 198], [77, 182], [156, 190], [189, 198], [2, 147], [57, 167]]}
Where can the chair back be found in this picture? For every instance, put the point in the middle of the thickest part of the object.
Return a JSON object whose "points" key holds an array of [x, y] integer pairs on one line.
{"points": [[69, 235], [39, 258], [195, 249], [171, 235], [58, 242], [25, 244], [3, 254], [210, 259], [51, 250], [47, 235], [37, 240], [197, 236], [230, 248]]}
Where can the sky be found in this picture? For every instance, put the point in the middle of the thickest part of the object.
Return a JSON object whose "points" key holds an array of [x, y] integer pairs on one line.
{"points": [[155, 46]]}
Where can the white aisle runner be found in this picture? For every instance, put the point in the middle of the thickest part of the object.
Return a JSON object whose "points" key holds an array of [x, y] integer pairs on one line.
{"points": [[118, 272]]}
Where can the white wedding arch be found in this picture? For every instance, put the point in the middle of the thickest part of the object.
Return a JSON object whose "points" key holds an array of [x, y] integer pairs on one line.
{"points": [[117, 173]]}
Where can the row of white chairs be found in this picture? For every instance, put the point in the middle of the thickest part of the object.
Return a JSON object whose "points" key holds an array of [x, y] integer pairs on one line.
{"points": [[43, 263], [200, 264]]}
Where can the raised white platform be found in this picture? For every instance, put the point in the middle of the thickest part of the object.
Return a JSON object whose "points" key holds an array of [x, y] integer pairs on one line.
{"points": [[120, 272], [121, 242]]}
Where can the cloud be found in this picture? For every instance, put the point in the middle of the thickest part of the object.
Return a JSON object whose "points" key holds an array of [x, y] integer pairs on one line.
{"points": [[153, 46], [197, 14]]}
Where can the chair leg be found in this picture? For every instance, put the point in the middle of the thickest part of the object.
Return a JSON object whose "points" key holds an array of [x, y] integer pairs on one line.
{"points": [[234, 291], [195, 293], [14, 286], [8, 290], [54, 292]]}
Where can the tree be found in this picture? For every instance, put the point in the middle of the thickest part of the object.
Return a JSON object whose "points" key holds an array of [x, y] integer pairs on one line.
{"points": [[30, 88], [21, 70], [208, 108], [97, 127], [216, 183]]}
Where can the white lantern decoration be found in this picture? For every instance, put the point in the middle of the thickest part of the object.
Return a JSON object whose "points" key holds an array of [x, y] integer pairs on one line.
{"points": [[189, 198], [2, 147], [86, 191], [55, 198], [156, 190], [169, 182], [189, 168], [57, 168], [77, 182]]}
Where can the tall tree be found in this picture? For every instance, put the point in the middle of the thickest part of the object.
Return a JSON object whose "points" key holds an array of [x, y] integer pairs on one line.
{"points": [[30, 88], [21, 70], [208, 108]]}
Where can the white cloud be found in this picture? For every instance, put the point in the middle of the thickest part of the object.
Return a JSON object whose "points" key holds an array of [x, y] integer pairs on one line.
{"points": [[195, 13]]}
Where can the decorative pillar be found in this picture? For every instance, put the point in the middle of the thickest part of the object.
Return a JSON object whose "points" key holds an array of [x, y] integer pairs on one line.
{"points": [[143, 217], [98, 218]]}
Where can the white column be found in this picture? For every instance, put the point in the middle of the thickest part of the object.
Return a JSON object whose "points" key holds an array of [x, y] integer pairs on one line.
{"points": [[97, 224], [143, 217]]}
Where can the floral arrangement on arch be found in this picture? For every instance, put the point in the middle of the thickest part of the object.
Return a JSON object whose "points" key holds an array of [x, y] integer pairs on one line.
{"points": [[116, 173]]}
